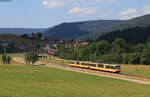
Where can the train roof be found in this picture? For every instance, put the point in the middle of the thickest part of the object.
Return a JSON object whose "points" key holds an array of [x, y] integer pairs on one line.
{"points": [[94, 62]]}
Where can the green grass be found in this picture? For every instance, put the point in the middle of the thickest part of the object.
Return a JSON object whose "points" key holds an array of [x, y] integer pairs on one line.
{"points": [[139, 70], [17, 55], [29, 81], [55, 60]]}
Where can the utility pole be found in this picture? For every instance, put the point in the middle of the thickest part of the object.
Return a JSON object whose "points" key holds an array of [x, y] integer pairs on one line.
{"points": [[62, 60]]}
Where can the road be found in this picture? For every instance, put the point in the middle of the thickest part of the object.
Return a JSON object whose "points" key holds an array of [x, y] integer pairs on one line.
{"points": [[91, 72]]}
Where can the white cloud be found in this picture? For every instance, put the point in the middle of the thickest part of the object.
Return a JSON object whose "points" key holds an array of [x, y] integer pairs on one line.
{"points": [[82, 11], [52, 3], [105, 0], [129, 11], [133, 12], [104, 14], [146, 10], [127, 17], [58, 3]]}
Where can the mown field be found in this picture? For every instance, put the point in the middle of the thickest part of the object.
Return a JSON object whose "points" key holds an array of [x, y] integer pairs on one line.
{"points": [[139, 70], [55, 60], [30, 81]]}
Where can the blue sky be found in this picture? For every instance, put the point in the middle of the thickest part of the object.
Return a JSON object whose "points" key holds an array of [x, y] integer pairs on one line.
{"points": [[47, 13]]}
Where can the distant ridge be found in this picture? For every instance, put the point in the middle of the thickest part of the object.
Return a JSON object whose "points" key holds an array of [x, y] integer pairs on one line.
{"points": [[142, 21], [21, 30], [77, 29]]}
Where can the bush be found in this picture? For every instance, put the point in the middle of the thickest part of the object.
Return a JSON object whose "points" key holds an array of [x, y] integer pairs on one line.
{"points": [[6, 59]]}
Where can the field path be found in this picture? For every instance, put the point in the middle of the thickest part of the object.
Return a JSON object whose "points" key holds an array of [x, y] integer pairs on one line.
{"points": [[91, 72]]}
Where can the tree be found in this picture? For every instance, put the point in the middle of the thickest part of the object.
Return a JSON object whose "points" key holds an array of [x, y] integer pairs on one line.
{"points": [[102, 47], [145, 57], [135, 58], [119, 46], [31, 57], [25, 36], [138, 48], [125, 58], [4, 59], [9, 59], [39, 35]]}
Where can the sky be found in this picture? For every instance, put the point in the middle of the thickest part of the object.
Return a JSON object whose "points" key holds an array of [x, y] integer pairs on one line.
{"points": [[47, 13]]}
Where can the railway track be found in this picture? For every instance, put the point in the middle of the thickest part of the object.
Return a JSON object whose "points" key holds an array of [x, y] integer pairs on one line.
{"points": [[118, 74], [140, 77]]}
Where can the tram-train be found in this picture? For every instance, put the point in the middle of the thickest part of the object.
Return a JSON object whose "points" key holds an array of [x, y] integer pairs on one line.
{"points": [[114, 68]]}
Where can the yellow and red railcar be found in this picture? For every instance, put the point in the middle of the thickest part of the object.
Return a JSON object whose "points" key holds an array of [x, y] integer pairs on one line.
{"points": [[115, 68]]}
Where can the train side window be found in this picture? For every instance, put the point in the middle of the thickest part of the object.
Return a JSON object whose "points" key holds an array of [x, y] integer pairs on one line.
{"points": [[93, 65], [83, 63], [77, 63], [72, 62], [108, 67], [101, 65], [86, 64]]}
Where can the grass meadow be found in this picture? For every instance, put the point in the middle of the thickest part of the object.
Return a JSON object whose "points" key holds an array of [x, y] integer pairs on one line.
{"points": [[55, 60], [30, 81], [139, 70]]}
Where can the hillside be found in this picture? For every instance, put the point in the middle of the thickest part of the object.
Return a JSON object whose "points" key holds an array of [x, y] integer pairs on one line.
{"points": [[76, 29], [142, 21], [132, 35], [20, 30], [16, 39]]}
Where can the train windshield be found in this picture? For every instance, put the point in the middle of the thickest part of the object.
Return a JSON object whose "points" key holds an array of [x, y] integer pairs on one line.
{"points": [[117, 67]]}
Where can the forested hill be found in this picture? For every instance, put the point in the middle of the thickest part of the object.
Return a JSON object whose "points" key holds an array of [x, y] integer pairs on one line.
{"points": [[76, 29], [142, 21], [17, 39], [20, 30], [132, 35]]}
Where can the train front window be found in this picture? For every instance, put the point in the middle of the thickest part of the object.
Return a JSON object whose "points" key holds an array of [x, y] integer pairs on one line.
{"points": [[117, 67], [111, 67]]}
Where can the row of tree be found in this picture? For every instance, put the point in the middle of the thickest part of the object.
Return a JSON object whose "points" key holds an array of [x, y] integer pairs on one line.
{"points": [[30, 58], [6, 59], [116, 52]]}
